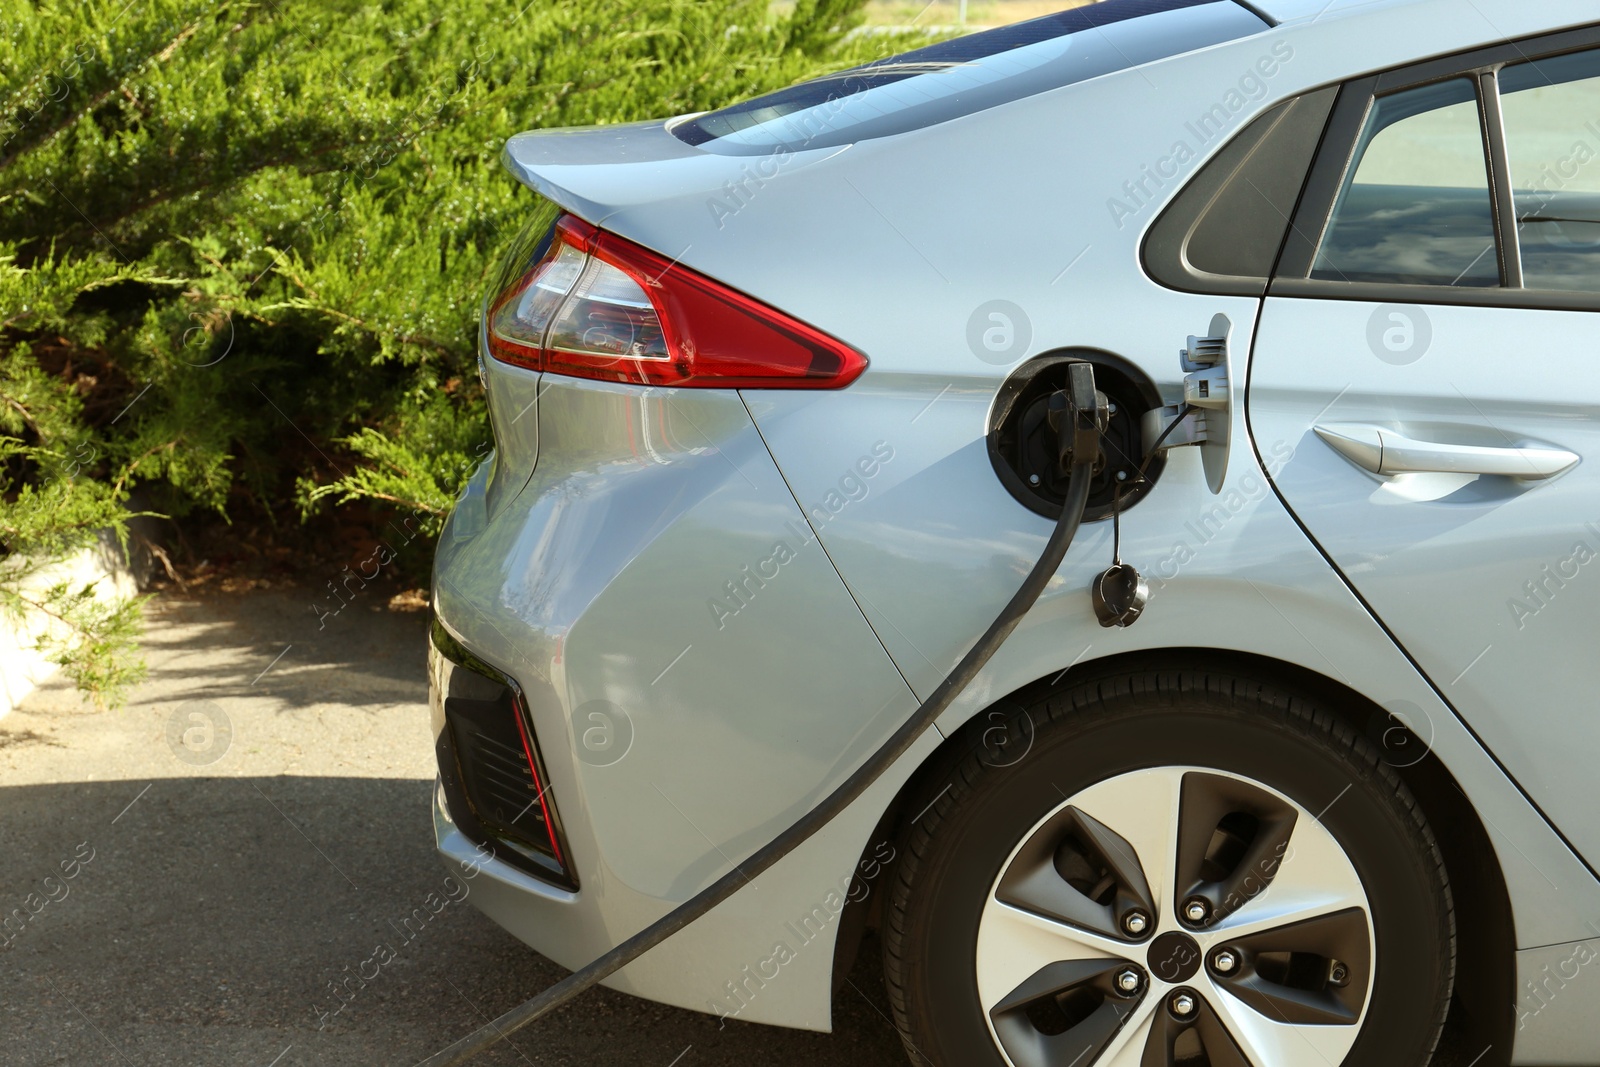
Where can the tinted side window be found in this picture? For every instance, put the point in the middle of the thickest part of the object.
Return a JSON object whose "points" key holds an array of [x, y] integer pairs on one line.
{"points": [[1552, 122], [1223, 232], [1416, 207]]}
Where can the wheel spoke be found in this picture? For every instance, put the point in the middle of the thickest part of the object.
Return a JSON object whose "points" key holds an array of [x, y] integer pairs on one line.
{"points": [[1077, 869], [1126, 1049], [1141, 808], [1314, 972], [1067, 1013], [1268, 1042], [1170, 1038], [1080, 1046], [1313, 879], [1014, 945], [1231, 838]]}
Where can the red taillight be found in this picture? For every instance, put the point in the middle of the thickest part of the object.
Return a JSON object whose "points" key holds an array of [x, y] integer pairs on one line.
{"points": [[598, 306]]}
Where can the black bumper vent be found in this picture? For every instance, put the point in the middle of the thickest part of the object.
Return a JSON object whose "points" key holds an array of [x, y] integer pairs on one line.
{"points": [[494, 779]]}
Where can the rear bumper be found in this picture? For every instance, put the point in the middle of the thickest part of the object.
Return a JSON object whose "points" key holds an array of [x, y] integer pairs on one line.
{"points": [[677, 737]]}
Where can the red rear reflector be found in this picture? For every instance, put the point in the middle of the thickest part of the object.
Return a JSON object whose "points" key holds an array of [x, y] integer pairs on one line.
{"points": [[598, 306], [538, 779]]}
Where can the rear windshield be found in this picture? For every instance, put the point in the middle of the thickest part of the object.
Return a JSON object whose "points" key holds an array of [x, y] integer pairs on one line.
{"points": [[968, 74]]}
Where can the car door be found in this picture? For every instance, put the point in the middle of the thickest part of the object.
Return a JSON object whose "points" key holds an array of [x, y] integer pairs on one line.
{"points": [[1430, 349]]}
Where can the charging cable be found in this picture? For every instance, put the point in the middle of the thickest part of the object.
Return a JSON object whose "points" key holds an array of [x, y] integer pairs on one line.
{"points": [[1120, 592]]}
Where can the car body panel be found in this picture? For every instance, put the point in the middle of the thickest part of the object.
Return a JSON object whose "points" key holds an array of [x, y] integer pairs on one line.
{"points": [[596, 171], [593, 592], [1482, 579], [1557, 1004], [967, 74], [514, 419], [1496, 20], [752, 221]]}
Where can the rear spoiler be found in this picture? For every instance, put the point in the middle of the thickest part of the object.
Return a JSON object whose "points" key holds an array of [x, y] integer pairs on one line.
{"points": [[593, 171]]}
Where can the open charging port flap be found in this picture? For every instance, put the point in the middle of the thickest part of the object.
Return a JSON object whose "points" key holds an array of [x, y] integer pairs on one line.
{"points": [[1022, 444]]}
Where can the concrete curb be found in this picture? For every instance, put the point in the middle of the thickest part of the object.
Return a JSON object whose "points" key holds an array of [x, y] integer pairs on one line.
{"points": [[23, 668]]}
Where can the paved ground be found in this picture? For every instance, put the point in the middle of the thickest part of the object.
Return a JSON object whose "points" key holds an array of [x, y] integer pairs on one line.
{"points": [[211, 905]]}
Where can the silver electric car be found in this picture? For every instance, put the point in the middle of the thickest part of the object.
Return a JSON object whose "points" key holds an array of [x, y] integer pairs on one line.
{"points": [[1293, 764]]}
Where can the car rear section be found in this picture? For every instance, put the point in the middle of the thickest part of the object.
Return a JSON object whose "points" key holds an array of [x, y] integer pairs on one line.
{"points": [[746, 508], [643, 661]]}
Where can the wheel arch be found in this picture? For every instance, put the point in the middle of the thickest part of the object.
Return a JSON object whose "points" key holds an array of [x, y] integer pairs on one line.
{"points": [[1481, 1013]]}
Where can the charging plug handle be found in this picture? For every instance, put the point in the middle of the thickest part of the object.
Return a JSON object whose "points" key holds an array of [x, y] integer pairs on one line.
{"points": [[1079, 414]]}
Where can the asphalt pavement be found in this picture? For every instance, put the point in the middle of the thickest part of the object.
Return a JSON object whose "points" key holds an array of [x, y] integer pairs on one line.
{"points": [[188, 879], [193, 880]]}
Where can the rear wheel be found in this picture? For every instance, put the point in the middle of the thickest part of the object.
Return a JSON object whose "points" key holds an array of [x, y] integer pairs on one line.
{"points": [[1185, 870]]}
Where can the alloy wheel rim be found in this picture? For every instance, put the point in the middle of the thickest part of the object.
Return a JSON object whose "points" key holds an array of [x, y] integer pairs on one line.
{"points": [[1254, 937]]}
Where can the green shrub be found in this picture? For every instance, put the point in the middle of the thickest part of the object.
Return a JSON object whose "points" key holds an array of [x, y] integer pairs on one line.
{"points": [[243, 245]]}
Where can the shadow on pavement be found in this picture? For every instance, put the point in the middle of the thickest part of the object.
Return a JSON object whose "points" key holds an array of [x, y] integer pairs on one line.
{"points": [[202, 921]]}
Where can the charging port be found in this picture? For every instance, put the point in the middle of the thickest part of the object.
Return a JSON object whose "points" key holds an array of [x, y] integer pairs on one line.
{"points": [[1024, 447]]}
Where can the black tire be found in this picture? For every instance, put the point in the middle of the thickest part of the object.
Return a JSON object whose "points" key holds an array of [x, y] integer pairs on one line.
{"points": [[1109, 725]]}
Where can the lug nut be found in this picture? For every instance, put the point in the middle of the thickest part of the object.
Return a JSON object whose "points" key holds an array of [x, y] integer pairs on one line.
{"points": [[1183, 1004], [1338, 974], [1225, 962], [1129, 981], [1136, 922], [1197, 910]]}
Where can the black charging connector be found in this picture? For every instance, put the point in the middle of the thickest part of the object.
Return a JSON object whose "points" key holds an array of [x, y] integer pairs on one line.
{"points": [[1079, 414], [1023, 442]]}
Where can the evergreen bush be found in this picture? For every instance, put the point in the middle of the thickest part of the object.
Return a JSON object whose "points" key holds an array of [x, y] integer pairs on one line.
{"points": [[243, 244]]}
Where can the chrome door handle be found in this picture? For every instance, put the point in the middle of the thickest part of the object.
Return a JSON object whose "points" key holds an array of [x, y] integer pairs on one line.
{"points": [[1385, 451]]}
